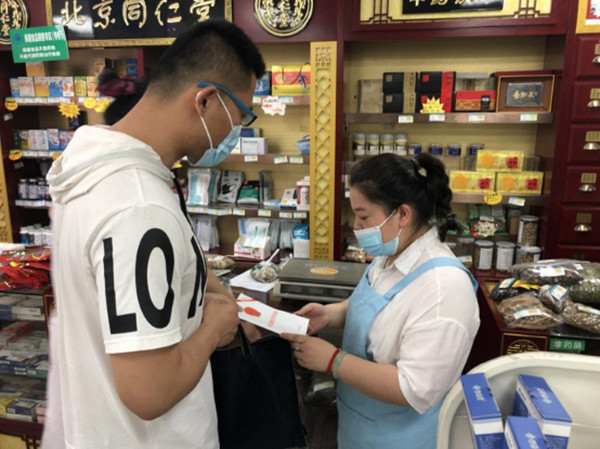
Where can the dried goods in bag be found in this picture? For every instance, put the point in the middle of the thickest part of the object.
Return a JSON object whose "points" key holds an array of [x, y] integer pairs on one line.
{"points": [[512, 287], [527, 312], [582, 317], [218, 262], [565, 272], [588, 289], [554, 297]]}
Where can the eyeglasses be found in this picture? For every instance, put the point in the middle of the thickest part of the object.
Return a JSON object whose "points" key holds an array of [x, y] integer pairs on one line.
{"points": [[247, 117]]}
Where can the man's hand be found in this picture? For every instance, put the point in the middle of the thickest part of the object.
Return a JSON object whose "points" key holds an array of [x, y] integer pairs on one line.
{"points": [[220, 315]]}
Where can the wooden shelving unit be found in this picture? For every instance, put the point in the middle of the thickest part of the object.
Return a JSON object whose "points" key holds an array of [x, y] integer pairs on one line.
{"points": [[471, 118]]}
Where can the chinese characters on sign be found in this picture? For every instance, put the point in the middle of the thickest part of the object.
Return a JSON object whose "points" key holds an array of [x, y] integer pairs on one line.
{"points": [[13, 16], [524, 94], [39, 44], [283, 18], [442, 6], [133, 19]]}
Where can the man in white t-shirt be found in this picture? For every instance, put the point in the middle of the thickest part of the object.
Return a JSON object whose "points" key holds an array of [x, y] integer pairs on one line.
{"points": [[136, 327]]}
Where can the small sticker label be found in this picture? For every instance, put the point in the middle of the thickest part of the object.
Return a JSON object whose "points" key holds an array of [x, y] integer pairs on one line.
{"points": [[406, 119], [492, 198], [299, 214], [251, 158], [280, 160], [437, 117], [239, 212], [11, 104], [506, 283], [587, 309], [514, 201], [529, 117], [558, 291], [465, 259], [551, 271], [567, 345], [476, 118], [296, 160], [273, 106], [285, 215], [264, 213], [529, 311]]}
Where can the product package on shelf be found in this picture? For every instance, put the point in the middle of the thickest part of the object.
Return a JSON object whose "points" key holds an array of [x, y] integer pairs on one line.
{"points": [[249, 193], [205, 228], [565, 272], [290, 80], [263, 85], [254, 241], [471, 181], [500, 161], [527, 312], [529, 183], [231, 182], [370, 97]]}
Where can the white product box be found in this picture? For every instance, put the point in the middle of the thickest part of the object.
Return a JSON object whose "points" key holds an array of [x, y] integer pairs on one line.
{"points": [[258, 253], [253, 145], [523, 433], [484, 415], [534, 398]]}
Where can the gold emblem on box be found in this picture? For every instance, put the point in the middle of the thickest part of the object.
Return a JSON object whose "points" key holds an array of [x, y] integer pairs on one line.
{"points": [[13, 15], [283, 18]]}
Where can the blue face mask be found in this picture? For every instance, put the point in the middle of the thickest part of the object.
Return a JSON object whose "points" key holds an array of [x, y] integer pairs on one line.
{"points": [[214, 156], [371, 241]]}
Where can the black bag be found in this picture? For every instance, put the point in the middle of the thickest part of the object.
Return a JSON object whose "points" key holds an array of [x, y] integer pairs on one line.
{"points": [[255, 394]]}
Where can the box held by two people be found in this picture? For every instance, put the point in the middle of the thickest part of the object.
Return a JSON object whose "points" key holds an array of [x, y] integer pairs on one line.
{"points": [[484, 414], [534, 398]]}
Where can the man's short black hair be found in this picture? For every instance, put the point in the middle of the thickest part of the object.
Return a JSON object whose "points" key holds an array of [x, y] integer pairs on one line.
{"points": [[214, 51]]}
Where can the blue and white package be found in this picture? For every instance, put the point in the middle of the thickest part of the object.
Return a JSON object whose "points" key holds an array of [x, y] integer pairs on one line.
{"points": [[484, 415], [263, 85], [534, 398], [523, 433]]}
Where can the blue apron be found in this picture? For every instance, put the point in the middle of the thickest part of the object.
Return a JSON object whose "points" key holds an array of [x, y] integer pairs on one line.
{"points": [[364, 422]]}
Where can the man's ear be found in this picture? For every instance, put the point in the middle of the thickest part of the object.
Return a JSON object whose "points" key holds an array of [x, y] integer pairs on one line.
{"points": [[202, 97]]}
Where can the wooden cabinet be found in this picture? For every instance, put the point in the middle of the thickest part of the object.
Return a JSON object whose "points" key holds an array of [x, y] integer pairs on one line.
{"points": [[588, 57], [584, 144], [583, 185]]}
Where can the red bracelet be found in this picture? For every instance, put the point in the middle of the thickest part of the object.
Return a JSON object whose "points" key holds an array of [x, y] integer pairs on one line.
{"points": [[330, 364]]}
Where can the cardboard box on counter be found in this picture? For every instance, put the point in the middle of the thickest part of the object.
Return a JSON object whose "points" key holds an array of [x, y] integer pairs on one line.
{"points": [[484, 414]]}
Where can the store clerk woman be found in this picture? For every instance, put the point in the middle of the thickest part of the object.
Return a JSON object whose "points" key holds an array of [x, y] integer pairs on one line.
{"points": [[411, 321]]}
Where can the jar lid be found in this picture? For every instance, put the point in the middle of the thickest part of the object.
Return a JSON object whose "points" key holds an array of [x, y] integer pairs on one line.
{"points": [[531, 249], [484, 243], [401, 136], [454, 145], [513, 212], [387, 136], [466, 239], [436, 145], [373, 136], [414, 145], [529, 218], [505, 244], [359, 135]]}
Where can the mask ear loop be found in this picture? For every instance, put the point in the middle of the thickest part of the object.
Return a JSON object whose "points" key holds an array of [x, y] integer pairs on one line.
{"points": [[204, 124], [226, 110]]}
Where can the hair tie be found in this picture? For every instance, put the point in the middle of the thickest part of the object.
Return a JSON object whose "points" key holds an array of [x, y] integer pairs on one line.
{"points": [[118, 87], [418, 169]]}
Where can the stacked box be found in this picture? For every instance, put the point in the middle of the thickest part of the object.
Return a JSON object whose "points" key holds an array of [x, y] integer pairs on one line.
{"points": [[520, 183], [263, 85], [484, 415], [81, 89], [523, 433], [29, 309], [55, 87], [26, 86], [40, 411], [68, 87], [472, 181], [22, 410], [399, 92], [6, 303], [42, 86], [92, 86], [14, 87], [290, 80], [534, 398], [500, 161]]}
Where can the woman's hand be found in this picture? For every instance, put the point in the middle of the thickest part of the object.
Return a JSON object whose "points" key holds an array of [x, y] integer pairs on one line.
{"points": [[312, 353], [317, 314]]}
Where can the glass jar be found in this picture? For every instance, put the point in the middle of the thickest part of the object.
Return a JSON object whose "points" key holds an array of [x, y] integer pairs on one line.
{"points": [[528, 254], [436, 149], [414, 149], [387, 143], [474, 148], [505, 254], [513, 221], [454, 149], [466, 246], [372, 144], [400, 144], [23, 189], [528, 230], [32, 189], [483, 255], [359, 144]]}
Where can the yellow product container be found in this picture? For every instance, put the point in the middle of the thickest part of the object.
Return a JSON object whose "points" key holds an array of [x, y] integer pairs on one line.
{"points": [[290, 79], [81, 89], [507, 182], [500, 161], [531, 182], [471, 181], [42, 86]]}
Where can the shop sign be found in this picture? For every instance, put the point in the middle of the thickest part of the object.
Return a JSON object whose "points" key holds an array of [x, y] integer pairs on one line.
{"points": [[283, 18], [13, 16], [39, 44], [131, 22], [443, 6], [567, 345]]}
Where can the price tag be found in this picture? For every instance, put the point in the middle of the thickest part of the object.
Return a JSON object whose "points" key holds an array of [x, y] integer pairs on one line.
{"points": [[280, 160], [212, 211], [239, 212], [223, 212], [529, 117], [492, 198], [285, 215], [437, 117], [264, 213], [299, 214], [287, 99], [11, 104], [251, 158], [514, 201], [406, 119], [273, 106], [296, 160], [476, 118]]}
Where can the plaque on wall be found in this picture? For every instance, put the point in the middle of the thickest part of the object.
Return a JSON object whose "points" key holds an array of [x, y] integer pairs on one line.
{"points": [[131, 22], [13, 15], [283, 18], [442, 6]]}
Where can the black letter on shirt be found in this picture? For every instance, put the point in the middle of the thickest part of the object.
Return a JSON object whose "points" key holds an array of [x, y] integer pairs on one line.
{"points": [[199, 271], [154, 238], [118, 324]]}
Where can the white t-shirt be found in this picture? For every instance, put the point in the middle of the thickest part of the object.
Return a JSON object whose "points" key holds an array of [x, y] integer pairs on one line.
{"points": [[129, 276], [428, 328]]}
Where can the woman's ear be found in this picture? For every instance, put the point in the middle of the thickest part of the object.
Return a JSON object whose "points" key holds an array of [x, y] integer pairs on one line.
{"points": [[405, 215]]}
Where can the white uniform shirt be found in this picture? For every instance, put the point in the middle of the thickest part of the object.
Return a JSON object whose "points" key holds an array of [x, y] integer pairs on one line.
{"points": [[128, 276], [428, 328]]}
